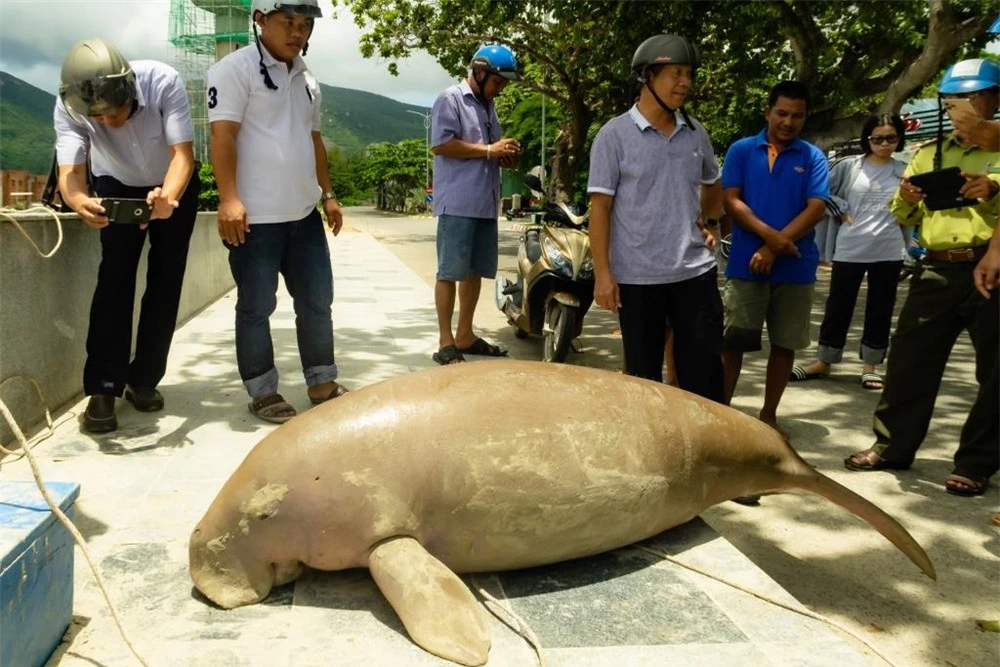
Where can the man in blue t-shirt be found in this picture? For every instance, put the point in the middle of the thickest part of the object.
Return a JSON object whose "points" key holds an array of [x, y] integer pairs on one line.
{"points": [[775, 188]]}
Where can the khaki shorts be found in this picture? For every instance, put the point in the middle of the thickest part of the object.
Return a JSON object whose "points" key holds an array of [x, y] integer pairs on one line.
{"points": [[786, 307]]}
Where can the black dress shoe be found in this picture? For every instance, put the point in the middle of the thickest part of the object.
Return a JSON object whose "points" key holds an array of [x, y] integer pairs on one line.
{"points": [[99, 417], [144, 400]]}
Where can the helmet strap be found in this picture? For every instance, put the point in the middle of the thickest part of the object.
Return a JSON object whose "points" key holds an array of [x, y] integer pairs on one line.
{"points": [[663, 105], [940, 136], [263, 68]]}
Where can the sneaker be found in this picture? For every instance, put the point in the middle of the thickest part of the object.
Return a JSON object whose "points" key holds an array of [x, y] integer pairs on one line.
{"points": [[144, 400], [99, 417]]}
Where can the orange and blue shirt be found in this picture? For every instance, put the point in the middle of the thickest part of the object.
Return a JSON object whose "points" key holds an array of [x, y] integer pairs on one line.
{"points": [[776, 186]]}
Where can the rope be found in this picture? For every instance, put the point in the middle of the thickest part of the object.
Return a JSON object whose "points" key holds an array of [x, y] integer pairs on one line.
{"points": [[513, 620], [766, 598], [10, 215], [64, 520], [48, 416]]}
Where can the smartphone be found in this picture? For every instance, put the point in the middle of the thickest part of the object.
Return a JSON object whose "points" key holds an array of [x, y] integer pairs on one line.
{"points": [[126, 211], [959, 104]]}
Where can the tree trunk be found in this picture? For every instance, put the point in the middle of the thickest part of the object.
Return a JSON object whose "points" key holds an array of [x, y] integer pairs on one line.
{"points": [[569, 153]]}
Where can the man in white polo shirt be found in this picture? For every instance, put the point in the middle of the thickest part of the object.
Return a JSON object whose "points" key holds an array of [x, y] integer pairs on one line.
{"points": [[131, 123], [271, 169]]}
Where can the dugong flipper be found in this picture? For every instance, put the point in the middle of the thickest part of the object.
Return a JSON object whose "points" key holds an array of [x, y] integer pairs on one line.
{"points": [[437, 609]]}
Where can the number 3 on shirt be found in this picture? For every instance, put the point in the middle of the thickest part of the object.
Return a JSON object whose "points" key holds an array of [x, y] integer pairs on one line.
{"points": [[212, 97]]}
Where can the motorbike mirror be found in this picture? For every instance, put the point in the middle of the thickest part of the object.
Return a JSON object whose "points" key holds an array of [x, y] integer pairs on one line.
{"points": [[533, 182]]}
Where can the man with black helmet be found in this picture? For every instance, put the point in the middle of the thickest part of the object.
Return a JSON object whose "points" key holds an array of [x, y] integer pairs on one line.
{"points": [[132, 123], [469, 149], [655, 203], [270, 164]]}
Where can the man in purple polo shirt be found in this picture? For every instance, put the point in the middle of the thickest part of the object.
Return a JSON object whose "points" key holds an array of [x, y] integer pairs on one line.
{"points": [[655, 199], [468, 153]]}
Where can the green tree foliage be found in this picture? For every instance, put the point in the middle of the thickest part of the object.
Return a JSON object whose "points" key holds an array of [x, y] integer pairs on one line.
{"points": [[858, 56], [208, 198], [392, 171]]}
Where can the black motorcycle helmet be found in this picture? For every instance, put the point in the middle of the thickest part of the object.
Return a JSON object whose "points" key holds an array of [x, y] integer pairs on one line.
{"points": [[660, 50], [664, 49]]}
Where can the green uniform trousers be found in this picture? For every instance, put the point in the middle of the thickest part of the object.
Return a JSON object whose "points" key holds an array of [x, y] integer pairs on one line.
{"points": [[942, 301]]}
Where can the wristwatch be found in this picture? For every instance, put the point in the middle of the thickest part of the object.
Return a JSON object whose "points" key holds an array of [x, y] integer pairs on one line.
{"points": [[327, 196], [711, 223]]}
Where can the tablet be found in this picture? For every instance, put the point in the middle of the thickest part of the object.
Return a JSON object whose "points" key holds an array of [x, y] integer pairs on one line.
{"points": [[941, 188]]}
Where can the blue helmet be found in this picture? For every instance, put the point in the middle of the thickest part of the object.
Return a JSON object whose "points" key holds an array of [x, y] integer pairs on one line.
{"points": [[497, 59], [968, 76]]}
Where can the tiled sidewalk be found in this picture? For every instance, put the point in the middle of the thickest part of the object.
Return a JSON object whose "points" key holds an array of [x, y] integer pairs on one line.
{"points": [[146, 485]]}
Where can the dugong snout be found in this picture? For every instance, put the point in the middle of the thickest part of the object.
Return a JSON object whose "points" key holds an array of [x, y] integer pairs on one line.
{"points": [[229, 577]]}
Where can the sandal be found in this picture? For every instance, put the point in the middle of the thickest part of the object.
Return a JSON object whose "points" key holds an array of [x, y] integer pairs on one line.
{"points": [[869, 461], [799, 374], [482, 348], [337, 391], [872, 381], [448, 354], [960, 485], [272, 408]]}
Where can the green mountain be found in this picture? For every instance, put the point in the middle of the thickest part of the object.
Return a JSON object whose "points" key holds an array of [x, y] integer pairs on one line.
{"points": [[26, 135], [352, 119]]}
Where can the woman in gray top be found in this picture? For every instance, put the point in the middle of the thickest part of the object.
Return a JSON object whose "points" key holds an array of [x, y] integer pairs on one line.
{"points": [[868, 241]]}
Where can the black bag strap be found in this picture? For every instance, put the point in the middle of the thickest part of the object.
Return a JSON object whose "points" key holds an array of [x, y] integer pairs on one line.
{"points": [[50, 193]]}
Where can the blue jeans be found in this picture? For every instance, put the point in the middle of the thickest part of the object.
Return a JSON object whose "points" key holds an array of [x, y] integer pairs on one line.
{"points": [[299, 251], [466, 246]]}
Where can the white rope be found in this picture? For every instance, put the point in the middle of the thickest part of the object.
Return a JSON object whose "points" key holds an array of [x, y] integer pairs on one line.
{"points": [[513, 620], [64, 520], [11, 215], [766, 598]]}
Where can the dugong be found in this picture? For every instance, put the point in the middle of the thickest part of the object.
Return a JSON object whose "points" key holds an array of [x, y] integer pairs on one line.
{"points": [[486, 466]]}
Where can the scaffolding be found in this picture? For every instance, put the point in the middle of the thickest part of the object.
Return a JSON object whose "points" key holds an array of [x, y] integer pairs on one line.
{"points": [[203, 31]]}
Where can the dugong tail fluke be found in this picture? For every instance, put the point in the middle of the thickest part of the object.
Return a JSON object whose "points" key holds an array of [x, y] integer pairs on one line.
{"points": [[879, 520]]}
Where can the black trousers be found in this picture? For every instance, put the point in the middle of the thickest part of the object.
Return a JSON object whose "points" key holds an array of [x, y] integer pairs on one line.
{"points": [[941, 303], [694, 310], [109, 339], [845, 282]]}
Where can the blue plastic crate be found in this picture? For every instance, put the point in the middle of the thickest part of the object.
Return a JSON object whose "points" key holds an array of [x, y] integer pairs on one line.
{"points": [[36, 575]]}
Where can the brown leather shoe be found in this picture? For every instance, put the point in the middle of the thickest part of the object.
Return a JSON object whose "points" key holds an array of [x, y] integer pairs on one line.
{"points": [[144, 400], [336, 391], [99, 417]]}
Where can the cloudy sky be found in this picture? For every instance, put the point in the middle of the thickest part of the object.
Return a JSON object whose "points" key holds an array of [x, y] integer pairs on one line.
{"points": [[35, 36]]}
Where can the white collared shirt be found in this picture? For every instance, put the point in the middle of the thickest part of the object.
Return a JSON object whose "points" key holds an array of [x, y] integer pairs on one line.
{"points": [[138, 153], [276, 161]]}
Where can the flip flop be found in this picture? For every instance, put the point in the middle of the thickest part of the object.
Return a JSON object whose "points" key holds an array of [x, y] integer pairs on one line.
{"points": [[872, 381], [871, 462], [482, 348], [970, 486], [447, 355], [799, 374]]}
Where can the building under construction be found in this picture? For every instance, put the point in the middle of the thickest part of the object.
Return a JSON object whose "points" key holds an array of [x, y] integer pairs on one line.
{"points": [[202, 32]]}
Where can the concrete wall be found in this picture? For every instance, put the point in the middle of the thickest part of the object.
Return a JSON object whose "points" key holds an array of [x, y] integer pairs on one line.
{"points": [[45, 305]]}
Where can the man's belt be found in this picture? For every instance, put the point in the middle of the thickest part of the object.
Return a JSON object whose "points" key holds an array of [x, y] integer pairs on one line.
{"points": [[958, 255]]}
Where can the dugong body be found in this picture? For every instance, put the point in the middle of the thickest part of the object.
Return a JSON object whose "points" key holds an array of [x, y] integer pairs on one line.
{"points": [[482, 467]]}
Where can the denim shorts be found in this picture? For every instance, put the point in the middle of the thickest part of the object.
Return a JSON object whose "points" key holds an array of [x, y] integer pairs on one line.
{"points": [[786, 307], [466, 246]]}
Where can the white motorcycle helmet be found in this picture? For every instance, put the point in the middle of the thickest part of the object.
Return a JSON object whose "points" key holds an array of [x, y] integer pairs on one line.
{"points": [[308, 8]]}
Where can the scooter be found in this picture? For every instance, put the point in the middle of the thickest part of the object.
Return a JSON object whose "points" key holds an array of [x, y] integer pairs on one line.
{"points": [[554, 287]]}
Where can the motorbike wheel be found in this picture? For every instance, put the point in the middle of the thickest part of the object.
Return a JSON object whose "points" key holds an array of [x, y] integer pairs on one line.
{"points": [[562, 322]]}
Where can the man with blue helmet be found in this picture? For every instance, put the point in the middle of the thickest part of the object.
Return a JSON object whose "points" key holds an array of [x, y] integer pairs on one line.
{"points": [[943, 300], [469, 150]]}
